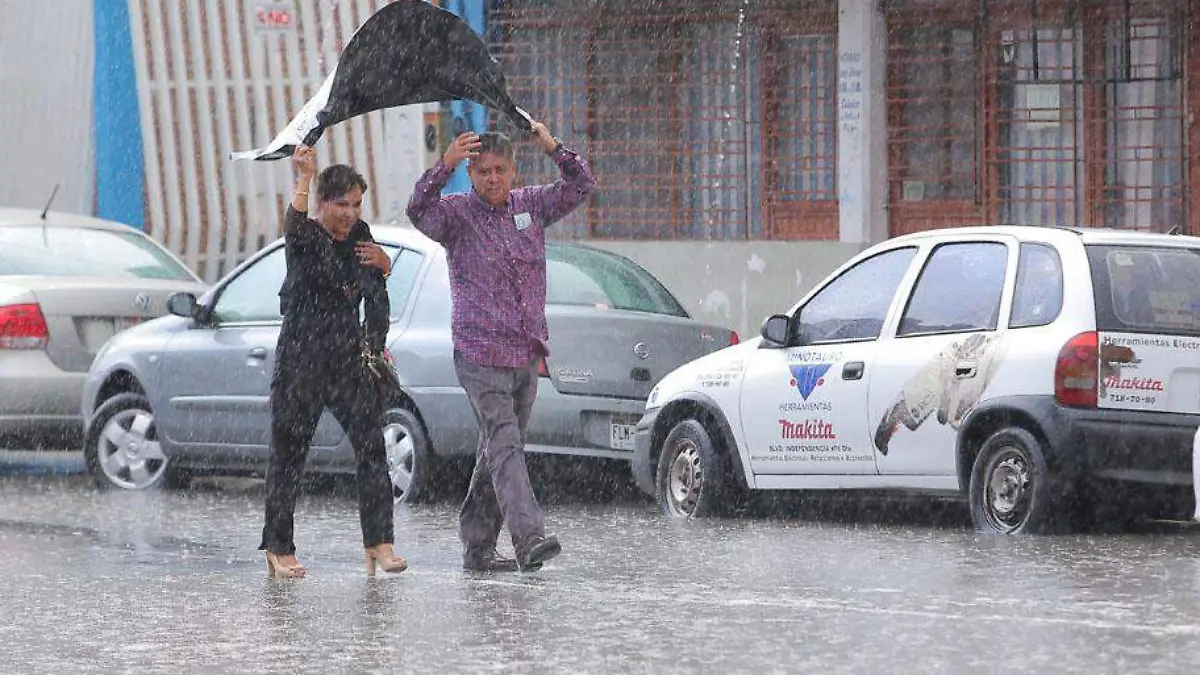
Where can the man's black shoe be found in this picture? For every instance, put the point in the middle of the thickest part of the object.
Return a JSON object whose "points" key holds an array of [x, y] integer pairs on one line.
{"points": [[539, 552], [489, 562]]}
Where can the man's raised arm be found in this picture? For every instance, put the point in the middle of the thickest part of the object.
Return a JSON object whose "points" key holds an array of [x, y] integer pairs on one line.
{"points": [[556, 200], [427, 210]]}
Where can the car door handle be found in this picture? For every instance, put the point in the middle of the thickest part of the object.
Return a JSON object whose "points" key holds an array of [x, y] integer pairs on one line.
{"points": [[966, 370], [258, 353], [853, 370]]}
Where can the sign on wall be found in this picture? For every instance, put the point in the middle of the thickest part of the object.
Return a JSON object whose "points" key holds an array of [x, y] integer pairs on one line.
{"points": [[274, 17]]}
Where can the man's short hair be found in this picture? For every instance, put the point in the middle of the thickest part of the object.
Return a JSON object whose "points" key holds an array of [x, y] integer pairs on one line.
{"points": [[336, 180], [496, 143]]}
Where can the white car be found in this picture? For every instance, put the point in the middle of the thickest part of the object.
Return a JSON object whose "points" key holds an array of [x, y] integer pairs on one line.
{"points": [[68, 283], [1033, 370]]}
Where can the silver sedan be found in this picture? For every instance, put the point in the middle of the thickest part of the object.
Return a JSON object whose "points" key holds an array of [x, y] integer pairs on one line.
{"points": [[188, 394], [68, 283]]}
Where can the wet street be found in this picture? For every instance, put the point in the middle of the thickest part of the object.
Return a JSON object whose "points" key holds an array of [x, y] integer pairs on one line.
{"points": [[170, 581]]}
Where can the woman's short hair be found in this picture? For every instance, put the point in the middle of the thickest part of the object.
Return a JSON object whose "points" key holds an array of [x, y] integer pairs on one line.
{"points": [[336, 180]]}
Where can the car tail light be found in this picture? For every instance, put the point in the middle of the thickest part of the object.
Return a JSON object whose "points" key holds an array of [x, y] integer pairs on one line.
{"points": [[23, 327], [1077, 372], [543, 369], [733, 338]]}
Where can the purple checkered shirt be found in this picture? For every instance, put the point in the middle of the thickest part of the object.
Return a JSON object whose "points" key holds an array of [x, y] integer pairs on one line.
{"points": [[497, 259]]}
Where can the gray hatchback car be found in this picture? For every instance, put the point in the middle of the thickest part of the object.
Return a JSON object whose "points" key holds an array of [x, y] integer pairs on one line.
{"points": [[188, 393]]}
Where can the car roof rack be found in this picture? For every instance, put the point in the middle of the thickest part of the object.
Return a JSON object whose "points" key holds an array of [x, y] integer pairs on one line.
{"points": [[1072, 228]]}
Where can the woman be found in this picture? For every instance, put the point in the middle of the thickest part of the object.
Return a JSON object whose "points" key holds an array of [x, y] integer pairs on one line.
{"points": [[333, 265]]}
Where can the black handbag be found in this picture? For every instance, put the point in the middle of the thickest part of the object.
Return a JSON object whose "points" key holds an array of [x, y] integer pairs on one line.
{"points": [[380, 372]]}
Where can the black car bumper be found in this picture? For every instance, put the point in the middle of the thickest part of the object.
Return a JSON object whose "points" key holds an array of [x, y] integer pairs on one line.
{"points": [[640, 464], [1131, 445], [1137, 446]]}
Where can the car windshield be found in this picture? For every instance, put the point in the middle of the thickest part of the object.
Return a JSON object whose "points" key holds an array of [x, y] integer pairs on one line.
{"points": [[582, 276], [84, 252], [1145, 289]]}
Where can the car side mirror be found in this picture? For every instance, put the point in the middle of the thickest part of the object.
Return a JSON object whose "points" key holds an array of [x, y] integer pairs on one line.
{"points": [[776, 330], [183, 304]]}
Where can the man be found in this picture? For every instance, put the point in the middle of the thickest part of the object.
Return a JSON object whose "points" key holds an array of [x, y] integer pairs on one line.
{"points": [[496, 249]]}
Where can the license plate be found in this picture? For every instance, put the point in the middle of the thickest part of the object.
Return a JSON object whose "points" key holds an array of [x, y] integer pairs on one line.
{"points": [[96, 332], [126, 322], [622, 436]]}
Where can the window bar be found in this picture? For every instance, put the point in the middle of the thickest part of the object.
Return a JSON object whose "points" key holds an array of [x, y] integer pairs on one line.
{"points": [[1128, 44], [1108, 214], [982, 42], [1033, 10]]}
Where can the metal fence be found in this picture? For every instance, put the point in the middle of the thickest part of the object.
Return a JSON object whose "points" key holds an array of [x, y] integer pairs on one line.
{"points": [[712, 119], [1033, 113]]}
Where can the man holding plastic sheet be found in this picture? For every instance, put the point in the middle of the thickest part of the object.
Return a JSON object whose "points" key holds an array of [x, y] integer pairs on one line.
{"points": [[496, 249]]}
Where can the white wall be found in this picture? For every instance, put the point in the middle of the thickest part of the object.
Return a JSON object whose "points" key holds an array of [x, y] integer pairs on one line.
{"points": [[404, 159], [46, 57], [862, 123]]}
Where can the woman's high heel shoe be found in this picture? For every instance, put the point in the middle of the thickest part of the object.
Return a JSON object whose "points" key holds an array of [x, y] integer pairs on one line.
{"points": [[385, 557], [278, 570]]}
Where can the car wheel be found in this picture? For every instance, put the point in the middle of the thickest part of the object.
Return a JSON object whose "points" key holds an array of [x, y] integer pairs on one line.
{"points": [[691, 480], [409, 456], [121, 447], [1010, 489]]}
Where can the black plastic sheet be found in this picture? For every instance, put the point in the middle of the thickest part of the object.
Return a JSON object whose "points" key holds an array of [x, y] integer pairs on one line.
{"points": [[408, 52]]}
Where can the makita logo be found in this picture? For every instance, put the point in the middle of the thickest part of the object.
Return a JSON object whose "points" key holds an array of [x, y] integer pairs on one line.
{"points": [[1134, 383], [808, 429], [807, 377]]}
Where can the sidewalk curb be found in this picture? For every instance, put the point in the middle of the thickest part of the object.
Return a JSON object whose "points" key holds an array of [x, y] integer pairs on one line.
{"points": [[41, 463]]}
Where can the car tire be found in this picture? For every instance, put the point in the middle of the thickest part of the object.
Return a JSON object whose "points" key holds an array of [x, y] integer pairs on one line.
{"points": [[692, 477], [1011, 488], [409, 456], [121, 448]]}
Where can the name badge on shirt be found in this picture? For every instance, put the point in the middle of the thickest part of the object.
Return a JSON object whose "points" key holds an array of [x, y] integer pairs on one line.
{"points": [[523, 220]]}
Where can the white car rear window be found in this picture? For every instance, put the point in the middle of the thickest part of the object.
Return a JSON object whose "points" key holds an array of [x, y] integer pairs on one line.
{"points": [[1146, 289], [84, 252]]}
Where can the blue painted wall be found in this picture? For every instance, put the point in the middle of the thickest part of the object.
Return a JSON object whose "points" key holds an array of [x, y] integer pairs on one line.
{"points": [[466, 115], [117, 125]]}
